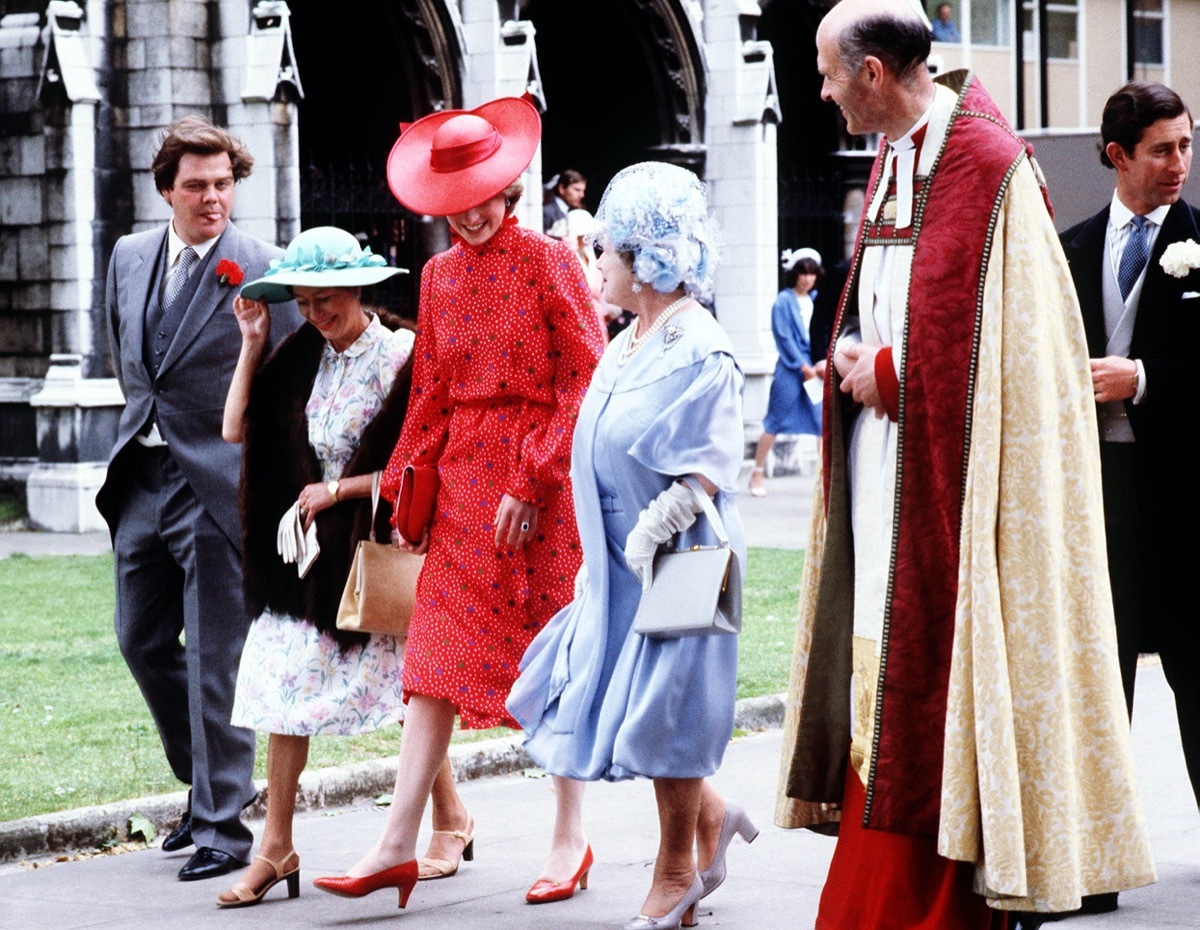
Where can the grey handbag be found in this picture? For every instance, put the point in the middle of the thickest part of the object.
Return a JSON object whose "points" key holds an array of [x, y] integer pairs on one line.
{"points": [[694, 592]]}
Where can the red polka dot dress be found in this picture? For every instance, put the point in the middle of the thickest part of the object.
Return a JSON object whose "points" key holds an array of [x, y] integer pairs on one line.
{"points": [[506, 345]]}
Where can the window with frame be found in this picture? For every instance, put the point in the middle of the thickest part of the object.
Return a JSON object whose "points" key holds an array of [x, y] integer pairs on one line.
{"points": [[1062, 30], [991, 22], [1148, 22]]}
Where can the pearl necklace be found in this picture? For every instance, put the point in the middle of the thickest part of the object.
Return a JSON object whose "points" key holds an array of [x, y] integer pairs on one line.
{"points": [[636, 342]]}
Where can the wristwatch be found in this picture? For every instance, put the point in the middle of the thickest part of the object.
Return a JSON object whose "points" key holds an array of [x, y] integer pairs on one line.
{"points": [[332, 488]]}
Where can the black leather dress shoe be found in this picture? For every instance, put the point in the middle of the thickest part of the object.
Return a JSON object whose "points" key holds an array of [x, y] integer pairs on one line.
{"points": [[181, 836], [207, 862]]}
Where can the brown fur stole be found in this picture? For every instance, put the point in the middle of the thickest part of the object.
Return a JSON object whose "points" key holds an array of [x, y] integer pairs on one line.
{"points": [[277, 462]]}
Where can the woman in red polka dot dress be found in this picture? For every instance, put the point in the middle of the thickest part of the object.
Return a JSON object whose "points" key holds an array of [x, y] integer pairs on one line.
{"points": [[507, 342]]}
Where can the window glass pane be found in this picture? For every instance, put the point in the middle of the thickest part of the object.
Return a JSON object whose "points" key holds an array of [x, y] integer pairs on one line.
{"points": [[1148, 32], [1062, 21], [1060, 29], [990, 21]]}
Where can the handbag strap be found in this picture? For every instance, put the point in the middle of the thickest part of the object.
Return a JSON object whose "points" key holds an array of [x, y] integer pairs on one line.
{"points": [[375, 478], [706, 505]]}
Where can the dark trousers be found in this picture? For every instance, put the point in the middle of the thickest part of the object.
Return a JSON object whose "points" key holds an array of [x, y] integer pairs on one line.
{"points": [[178, 573], [1149, 573]]}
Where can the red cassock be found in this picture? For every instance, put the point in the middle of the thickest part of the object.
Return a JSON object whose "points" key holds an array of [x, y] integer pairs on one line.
{"points": [[506, 346]]}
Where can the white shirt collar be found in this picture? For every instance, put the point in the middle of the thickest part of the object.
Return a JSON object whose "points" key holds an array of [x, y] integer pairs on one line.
{"points": [[175, 245], [1119, 215], [904, 150]]}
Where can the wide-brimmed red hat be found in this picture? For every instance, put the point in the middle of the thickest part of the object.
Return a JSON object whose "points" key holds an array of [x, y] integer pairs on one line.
{"points": [[451, 161]]}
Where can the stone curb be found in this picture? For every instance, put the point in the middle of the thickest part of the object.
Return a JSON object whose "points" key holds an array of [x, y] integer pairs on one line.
{"points": [[95, 827]]}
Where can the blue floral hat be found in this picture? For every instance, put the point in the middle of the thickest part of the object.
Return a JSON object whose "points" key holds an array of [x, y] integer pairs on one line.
{"points": [[659, 213], [323, 256]]}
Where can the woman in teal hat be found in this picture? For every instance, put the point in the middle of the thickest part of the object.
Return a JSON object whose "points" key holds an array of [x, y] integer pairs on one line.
{"points": [[317, 419]]}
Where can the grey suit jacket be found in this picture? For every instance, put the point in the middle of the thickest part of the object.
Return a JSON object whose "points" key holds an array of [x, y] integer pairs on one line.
{"points": [[193, 378]]}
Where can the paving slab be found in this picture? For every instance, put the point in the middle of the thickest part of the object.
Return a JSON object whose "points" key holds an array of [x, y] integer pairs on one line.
{"points": [[774, 883]]}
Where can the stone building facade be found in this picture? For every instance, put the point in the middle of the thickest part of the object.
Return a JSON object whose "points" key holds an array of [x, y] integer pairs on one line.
{"points": [[726, 87]]}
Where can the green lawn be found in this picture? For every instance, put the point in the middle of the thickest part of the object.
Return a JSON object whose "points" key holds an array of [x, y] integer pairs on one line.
{"points": [[74, 730]]}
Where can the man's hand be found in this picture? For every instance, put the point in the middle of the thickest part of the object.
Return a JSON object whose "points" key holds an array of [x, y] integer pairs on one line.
{"points": [[856, 364], [1114, 378]]}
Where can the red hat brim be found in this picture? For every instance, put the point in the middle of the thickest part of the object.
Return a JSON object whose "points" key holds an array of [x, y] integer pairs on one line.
{"points": [[441, 193]]}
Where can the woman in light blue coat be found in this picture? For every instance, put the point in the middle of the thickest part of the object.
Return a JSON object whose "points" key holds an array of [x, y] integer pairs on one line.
{"points": [[596, 699]]}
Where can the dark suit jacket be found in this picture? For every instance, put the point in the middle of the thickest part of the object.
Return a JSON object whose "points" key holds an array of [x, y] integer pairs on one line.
{"points": [[552, 212], [193, 379], [1164, 334]]}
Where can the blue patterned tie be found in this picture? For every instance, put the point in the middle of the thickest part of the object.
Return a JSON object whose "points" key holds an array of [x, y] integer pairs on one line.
{"points": [[1133, 259]]}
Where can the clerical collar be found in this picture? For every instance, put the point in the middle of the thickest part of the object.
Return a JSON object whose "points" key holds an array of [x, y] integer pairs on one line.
{"points": [[175, 245], [1119, 215], [905, 150]]}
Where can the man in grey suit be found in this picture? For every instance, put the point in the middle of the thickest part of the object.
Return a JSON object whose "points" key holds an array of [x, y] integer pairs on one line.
{"points": [[170, 495]]}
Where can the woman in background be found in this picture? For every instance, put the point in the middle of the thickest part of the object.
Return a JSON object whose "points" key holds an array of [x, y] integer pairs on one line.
{"points": [[789, 407]]}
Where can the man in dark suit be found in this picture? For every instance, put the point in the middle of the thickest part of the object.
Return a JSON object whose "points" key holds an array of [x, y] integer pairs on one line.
{"points": [[170, 495], [570, 187], [1142, 327]]}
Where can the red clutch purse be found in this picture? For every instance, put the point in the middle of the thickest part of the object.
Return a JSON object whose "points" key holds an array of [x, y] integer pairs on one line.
{"points": [[416, 500]]}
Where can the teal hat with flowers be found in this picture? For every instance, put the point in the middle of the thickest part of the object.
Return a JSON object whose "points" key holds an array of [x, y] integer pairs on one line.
{"points": [[323, 256]]}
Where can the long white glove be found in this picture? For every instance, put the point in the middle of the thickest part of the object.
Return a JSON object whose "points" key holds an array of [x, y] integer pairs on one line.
{"points": [[294, 544], [673, 510]]}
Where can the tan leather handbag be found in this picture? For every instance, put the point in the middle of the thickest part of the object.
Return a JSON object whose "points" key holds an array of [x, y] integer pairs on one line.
{"points": [[382, 586]]}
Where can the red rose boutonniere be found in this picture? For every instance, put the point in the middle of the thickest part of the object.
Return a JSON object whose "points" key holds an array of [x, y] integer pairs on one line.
{"points": [[229, 272]]}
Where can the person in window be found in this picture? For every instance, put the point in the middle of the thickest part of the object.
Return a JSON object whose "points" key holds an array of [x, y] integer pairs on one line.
{"points": [[943, 27]]}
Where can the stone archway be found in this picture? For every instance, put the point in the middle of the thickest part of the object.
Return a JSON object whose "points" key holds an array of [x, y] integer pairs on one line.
{"points": [[642, 98], [404, 57]]}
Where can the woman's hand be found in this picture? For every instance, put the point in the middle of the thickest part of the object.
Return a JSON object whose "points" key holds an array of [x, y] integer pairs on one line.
{"points": [[516, 522], [313, 499], [254, 321], [417, 548]]}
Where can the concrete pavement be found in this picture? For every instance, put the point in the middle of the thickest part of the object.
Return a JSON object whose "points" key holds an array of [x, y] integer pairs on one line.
{"points": [[774, 883]]}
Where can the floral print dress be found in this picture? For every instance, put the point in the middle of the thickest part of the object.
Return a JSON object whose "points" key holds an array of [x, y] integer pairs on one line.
{"points": [[294, 679]]}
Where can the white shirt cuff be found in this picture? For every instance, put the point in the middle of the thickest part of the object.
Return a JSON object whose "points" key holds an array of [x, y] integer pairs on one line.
{"points": [[1141, 385]]}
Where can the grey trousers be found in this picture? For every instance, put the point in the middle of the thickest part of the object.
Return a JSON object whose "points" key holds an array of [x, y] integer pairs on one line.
{"points": [[177, 572]]}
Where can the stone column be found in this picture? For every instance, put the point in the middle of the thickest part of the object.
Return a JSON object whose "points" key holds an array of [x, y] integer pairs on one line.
{"points": [[259, 86], [741, 112], [501, 61], [76, 420]]}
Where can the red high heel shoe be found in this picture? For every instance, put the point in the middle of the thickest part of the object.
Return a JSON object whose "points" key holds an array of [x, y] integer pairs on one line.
{"points": [[544, 891], [402, 876]]}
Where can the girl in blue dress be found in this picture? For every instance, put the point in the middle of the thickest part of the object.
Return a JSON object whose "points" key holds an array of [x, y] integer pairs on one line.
{"points": [[789, 408], [596, 699]]}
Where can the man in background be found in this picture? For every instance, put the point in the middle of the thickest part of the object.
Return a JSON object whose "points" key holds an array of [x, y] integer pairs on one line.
{"points": [[570, 187]]}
